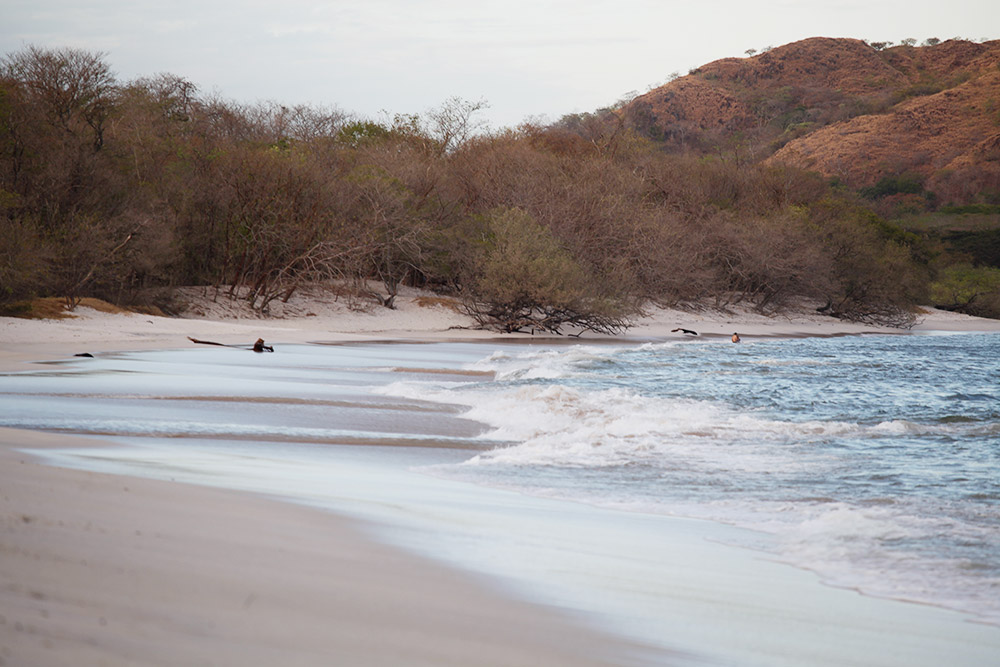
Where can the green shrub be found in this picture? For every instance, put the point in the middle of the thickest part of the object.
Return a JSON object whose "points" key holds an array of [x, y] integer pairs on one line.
{"points": [[892, 185], [521, 279], [968, 289], [875, 277], [971, 209]]}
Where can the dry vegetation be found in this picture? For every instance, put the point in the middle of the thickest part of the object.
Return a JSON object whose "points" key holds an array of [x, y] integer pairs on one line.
{"points": [[848, 109], [122, 190]]}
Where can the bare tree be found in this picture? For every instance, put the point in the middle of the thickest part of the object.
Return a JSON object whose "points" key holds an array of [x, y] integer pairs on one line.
{"points": [[452, 123], [70, 87]]}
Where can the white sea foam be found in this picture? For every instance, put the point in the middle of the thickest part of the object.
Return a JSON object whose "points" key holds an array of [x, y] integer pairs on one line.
{"points": [[870, 548], [541, 364], [557, 425], [191, 428], [829, 492]]}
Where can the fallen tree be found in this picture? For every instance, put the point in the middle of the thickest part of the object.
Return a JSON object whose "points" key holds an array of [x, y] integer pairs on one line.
{"points": [[258, 346]]}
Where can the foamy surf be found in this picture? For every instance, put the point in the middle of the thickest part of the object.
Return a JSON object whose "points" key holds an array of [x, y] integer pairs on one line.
{"points": [[840, 467], [874, 481]]}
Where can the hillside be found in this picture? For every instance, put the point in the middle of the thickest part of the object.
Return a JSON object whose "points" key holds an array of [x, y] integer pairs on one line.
{"points": [[124, 190], [846, 110]]}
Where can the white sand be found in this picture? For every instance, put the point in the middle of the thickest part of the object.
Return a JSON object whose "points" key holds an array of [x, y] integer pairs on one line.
{"points": [[670, 581], [108, 570], [104, 570], [98, 569], [319, 316]]}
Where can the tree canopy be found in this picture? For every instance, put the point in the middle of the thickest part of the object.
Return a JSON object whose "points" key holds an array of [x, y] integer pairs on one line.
{"points": [[122, 190]]}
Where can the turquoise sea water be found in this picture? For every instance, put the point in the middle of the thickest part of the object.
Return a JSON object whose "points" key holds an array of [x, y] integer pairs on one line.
{"points": [[871, 460]]}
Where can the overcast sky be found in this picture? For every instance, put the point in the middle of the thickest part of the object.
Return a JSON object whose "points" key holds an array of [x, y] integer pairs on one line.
{"points": [[526, 58]]}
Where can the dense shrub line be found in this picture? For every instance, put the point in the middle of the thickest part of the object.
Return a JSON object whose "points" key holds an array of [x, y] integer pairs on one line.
{"points": [[120, 190]]}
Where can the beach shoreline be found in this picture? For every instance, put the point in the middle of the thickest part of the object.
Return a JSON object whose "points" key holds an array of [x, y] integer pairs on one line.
{"points": [[103, 567], [316, 317], [113, 569]]}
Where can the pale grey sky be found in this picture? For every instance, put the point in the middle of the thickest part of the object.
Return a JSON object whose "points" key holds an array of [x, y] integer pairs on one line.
{"points": [[526, 58]]}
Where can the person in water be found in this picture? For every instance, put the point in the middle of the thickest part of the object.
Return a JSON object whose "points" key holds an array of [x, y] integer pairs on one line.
{"points": [[736, 338]]}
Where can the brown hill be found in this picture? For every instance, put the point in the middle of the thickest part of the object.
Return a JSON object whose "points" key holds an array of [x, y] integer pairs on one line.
{"points": [[846, 110]]}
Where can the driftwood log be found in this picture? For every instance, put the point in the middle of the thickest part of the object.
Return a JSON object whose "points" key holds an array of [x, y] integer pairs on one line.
{"points": [[259, 346]]}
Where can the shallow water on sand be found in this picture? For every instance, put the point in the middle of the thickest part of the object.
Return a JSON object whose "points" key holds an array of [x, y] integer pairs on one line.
{"points": [[871, 460]]}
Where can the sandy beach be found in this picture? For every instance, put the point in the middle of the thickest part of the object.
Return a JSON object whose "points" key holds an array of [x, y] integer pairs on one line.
{"points": [[108, 570], [319, 315], [105, 569]]}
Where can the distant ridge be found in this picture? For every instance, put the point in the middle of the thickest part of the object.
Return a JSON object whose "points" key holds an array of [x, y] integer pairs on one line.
{"points": [[845, 109]]}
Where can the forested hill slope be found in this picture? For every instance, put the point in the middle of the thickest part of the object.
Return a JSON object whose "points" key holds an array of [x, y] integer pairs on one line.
{"points": [[850, 110]]}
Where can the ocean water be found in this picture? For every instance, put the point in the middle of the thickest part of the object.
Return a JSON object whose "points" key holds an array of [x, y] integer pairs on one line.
{"points": [[873, 461]]}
